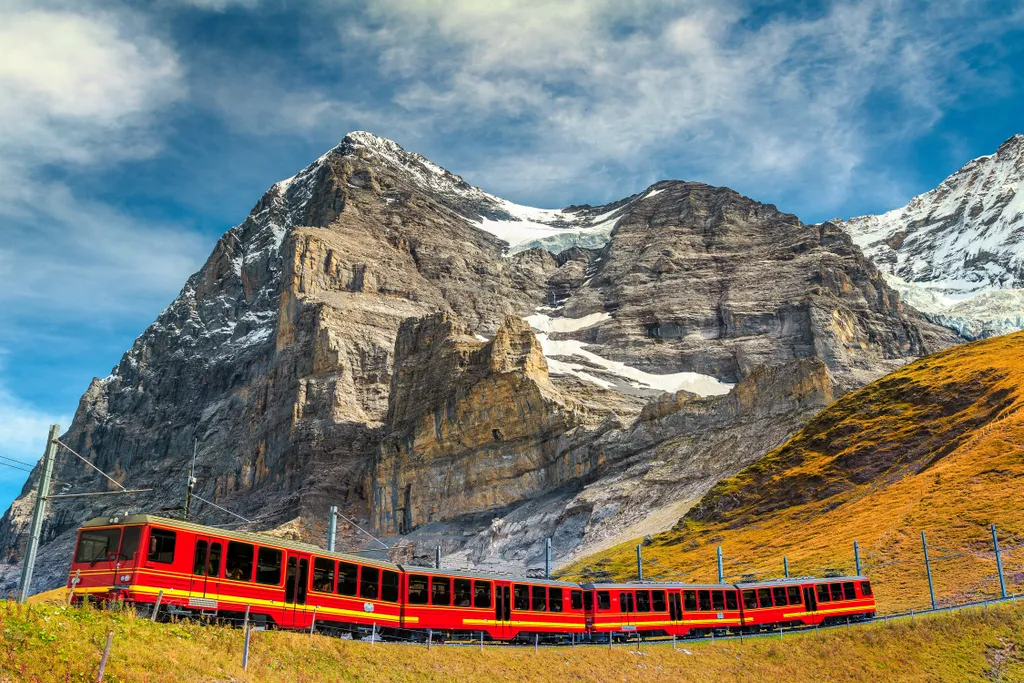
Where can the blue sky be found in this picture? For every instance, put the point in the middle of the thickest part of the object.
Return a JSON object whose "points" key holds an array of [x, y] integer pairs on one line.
{"points": [[131, 138]]}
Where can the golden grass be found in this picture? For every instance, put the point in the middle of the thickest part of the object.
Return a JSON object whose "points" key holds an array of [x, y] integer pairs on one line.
{"points": [[937, 446], [47, 642]]}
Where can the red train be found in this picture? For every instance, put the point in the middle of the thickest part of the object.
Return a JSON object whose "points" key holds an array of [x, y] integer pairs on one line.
{"points": [[198, 570]]}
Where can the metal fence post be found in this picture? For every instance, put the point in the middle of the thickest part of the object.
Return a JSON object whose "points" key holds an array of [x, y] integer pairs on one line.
{"points": [[928, 568], [437, 557], [105, 657], [999, 562], [156, 605], [430, 636], [721, 574], [38, 513], [536, 642], [547, 558], [75, 580], [856, 556], [785, 566], [639, 562], [245, 650], [312, 624], [245, 623]]}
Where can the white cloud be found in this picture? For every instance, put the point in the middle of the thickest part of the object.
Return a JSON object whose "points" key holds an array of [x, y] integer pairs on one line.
{"points": [[23, 430], [775, 104], [81, 91]]}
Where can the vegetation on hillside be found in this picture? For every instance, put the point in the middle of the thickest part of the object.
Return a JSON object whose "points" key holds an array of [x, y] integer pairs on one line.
{"points": [[45, 642], [937, 446]]}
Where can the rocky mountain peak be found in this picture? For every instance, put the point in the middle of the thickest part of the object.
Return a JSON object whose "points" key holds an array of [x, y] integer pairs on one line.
{"points": [[955, 252]]}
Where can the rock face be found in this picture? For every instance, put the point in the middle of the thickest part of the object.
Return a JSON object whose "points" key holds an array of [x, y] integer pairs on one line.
{"points": [[290, 362], [472, 425], [955, 252]]}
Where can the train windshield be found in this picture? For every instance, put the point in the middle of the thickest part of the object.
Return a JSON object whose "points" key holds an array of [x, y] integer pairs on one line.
{"points": [[94, 545]]}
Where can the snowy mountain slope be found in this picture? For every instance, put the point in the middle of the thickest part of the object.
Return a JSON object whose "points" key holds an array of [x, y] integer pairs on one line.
{"points": [[522, 227], [956, 252]]}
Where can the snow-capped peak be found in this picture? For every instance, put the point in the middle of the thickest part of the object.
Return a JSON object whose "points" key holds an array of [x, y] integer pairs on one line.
{"points": [[957, 242]]}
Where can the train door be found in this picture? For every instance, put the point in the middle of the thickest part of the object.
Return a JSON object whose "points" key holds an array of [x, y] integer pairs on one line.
{"points": [[675, 612], [205, 586], [502, 610], [296, 580], [810, 600], [628, 608]]}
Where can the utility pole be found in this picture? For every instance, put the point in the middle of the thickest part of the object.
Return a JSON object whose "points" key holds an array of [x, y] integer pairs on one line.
{"points": [[928, 568], [721, 573], [999, 562], [547, 558], [785, 566], [332, 528], [191, 483], [639, 562], [36, 528], [856, 556], [437, 557]]}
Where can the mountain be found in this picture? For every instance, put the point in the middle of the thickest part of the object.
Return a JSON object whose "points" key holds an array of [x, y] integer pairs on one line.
{"points": [[359, 340], [935, 447], [955, 252]]}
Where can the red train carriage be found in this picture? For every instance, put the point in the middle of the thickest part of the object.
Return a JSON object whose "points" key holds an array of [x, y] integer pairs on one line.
{"points": [[211, 571], [796, 602], [457, 604], [659, 609]]}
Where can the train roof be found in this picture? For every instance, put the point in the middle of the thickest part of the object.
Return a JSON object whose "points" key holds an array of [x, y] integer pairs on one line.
{"points": [[634, 585], [431, 571], [248, 536], [800, 580]]}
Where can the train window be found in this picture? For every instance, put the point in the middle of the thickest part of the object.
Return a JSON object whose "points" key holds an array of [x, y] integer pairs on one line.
{"points": [[643, 601], [626, 602], [717, 601], [521, 597], [93, 546], [348, 575], [865, 588], [690, 601], [481, 594], [779, 593], [213, 566], [764, 597], [238, 562], [588, 601], [749, 598], [604, 601], [555, 599], [389, 586], [704, 601], [130, 542], [268, 566], [369, 582], [837, 591], [540, 598], [823, 592], [417, 589], [730, 600], [440, 590], [199, 561], [323, 575], [794, 595], [161, 546], [576, 600], [463, 592], [849, 592], [658, 601]]}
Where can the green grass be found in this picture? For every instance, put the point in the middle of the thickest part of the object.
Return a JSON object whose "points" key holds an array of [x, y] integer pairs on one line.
{"points": [[48, 642]]}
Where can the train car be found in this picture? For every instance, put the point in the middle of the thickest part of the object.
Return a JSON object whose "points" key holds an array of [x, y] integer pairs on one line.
{"points": [[661, 609], [457, 604], [805, 602], [201, 570]]}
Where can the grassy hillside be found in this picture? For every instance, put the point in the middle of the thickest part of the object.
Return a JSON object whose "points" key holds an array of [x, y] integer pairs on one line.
{"points": [[937, 446], [47, 642]]}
